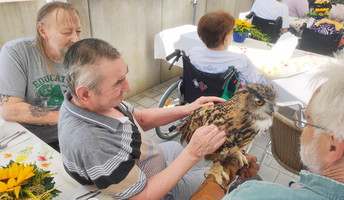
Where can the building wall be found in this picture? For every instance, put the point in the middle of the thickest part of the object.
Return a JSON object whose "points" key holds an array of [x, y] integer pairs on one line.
{"points": [[129, 25]]}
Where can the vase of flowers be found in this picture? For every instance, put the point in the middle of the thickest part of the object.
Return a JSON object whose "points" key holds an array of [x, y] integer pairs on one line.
{"points": [[243, 28], [19, 181]]}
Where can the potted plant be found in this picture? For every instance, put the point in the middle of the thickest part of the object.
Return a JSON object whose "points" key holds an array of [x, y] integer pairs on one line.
{"points": [[243, 28]]}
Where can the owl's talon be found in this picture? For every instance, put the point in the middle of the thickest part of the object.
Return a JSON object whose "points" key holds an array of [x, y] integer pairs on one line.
{"points": [[241, 159], [217, 171]]}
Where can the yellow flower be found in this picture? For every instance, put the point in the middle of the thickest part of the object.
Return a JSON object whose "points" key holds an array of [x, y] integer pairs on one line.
{"points": [[321, 1], [243, 23], [238, 22], [15, 175], [321, 9], [246, 23]]}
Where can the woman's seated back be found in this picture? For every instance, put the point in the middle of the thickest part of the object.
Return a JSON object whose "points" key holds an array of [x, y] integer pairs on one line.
{"points": [[333, 24], [216, 31]]}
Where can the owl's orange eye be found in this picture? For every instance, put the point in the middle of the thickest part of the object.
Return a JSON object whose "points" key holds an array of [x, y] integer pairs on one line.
{"points": [[259, 103]]}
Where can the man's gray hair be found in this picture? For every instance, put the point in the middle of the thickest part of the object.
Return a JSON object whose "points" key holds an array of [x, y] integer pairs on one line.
{"points": [[337, 13], [82, 60], [327, 107]]}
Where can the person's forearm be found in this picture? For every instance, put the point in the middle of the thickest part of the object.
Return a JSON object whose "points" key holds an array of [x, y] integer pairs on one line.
{"points": [[160, 184], [151, 118], [205, 140], [25, 113], [154, 117]]}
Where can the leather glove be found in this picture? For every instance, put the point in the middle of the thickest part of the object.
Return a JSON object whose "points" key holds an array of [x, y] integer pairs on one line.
{"points": [[251, 169], [211, 190]]}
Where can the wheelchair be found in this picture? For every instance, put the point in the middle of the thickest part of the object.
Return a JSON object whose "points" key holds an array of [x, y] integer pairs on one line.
{"points": [[270, 27], [193, 84], [319, 43]]}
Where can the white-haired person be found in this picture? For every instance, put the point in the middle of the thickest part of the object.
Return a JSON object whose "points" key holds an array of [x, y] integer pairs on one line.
{"points": [[32, 73], [333, 24], [322, 147]]}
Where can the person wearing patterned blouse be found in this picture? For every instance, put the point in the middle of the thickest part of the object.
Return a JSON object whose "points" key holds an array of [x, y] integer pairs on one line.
{"points": [[333, 24]]}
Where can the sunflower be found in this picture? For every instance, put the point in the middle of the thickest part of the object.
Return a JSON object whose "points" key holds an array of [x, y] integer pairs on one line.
{"points": [[321, 9], [242, 26], [14, 175], [322, 1], [21, 181]]}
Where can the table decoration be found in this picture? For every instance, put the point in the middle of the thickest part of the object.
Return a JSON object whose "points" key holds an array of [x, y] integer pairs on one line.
{"points": [[243, 27], [318, 13], [321, 10], [26, 181]]}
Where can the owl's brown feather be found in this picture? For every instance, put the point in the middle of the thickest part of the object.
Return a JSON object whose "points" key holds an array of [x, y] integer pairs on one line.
{"points": [[247, 114]]}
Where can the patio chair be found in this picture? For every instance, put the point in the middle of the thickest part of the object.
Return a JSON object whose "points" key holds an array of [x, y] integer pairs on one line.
{"points": [[270, 27], [285, 140], [319, 43]]}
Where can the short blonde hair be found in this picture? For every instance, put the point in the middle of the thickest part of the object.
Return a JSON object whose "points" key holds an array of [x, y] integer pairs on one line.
{"points": [[41, 17]]}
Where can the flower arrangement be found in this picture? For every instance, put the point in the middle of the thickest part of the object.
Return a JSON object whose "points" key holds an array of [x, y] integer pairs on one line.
{"points": [[321, 10], [19, 181], [244, 27], [318, 13]]}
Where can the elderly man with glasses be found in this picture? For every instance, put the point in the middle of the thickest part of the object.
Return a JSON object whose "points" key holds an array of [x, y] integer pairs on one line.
{"points": [[322, 147]]}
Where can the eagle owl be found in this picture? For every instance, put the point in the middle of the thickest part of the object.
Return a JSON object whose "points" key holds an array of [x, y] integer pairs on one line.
{"points": [[247, 114]]}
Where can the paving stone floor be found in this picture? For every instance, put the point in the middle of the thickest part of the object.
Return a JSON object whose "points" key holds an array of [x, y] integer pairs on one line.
{"points": [[271, 171]]}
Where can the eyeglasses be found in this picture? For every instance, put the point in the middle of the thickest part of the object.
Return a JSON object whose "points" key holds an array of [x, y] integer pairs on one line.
{"points": [[300, 120]]}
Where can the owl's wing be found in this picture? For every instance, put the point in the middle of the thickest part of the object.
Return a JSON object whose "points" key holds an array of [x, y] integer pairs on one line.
{"points": [[190, 125], [200, 117]]}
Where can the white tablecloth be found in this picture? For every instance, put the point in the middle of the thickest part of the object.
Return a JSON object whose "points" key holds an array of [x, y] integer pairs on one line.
{"points": [[30, 149], [289, 70], [296, 22]]}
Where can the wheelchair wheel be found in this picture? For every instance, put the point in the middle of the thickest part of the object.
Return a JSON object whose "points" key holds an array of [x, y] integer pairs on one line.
{"points": [[170, 98]]}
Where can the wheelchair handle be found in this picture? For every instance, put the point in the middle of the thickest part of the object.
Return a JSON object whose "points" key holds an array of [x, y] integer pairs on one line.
{"points": [[175, 53], [250, 15], [304, 25]]}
